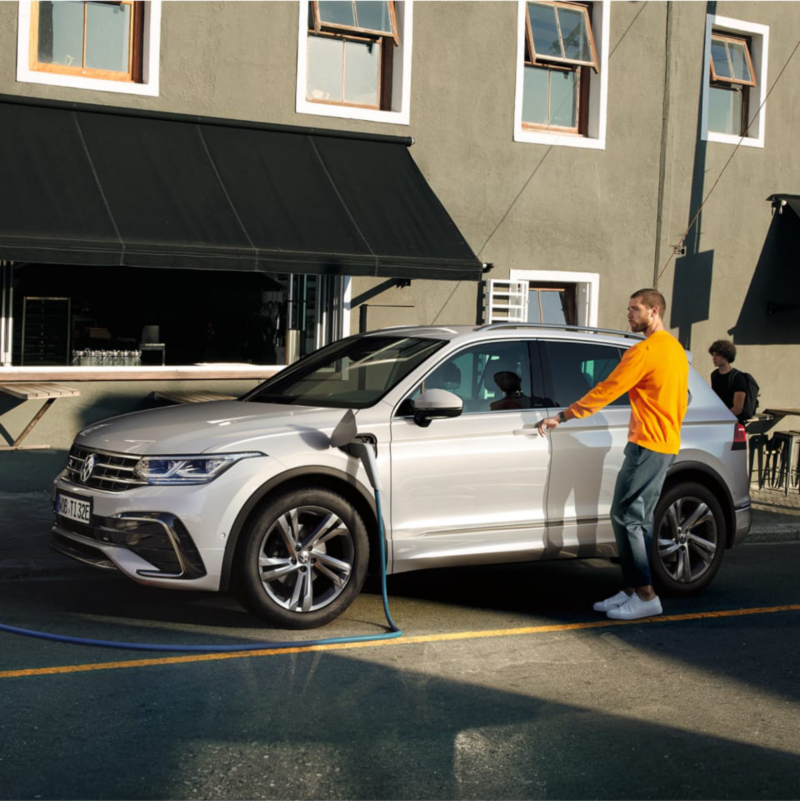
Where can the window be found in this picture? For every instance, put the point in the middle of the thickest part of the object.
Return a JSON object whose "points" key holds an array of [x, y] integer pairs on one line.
{"points": [[353, 373], [93, 316], [731, 76], [491, 377], [561, 83], [573, 368], [111, 46], [95, 39], [552, 304], [559, 49], [735, 84], [354, 59], [543, 296]]}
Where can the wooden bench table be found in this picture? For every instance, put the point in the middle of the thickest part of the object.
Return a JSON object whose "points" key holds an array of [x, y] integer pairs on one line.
{"points": [[191, 396], [35, 390]]}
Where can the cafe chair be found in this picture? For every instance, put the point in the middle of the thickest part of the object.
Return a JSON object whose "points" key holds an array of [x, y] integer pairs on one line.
{"points": [[785, 462], [757, 445]]}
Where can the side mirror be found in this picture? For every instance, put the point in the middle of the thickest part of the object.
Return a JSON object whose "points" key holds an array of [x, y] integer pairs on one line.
{"points": [[436, 404]]}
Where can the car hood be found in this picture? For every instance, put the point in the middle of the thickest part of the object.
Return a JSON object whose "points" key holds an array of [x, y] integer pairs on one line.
{"points": [[214, 427]]}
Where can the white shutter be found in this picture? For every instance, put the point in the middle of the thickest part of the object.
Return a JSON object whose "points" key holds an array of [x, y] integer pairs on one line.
{"points": [[506, 301]]}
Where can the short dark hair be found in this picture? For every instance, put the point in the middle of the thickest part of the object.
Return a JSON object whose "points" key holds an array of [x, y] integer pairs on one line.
{"points": [[652, 297], [724, 348]]}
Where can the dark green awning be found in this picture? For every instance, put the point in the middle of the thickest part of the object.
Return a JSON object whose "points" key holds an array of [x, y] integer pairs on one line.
{"points": [[104, 186]]}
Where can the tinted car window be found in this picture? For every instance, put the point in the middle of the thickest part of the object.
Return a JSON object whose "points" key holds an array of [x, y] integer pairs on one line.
{"points": [[352, 373], [491, 377], [575, 367]]}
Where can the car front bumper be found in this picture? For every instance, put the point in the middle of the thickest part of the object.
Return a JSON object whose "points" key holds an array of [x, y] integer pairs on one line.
{"points": [[166, 536]]}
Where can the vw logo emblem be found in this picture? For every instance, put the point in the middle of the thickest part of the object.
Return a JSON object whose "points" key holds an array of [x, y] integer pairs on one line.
{"points": [[88, 468]]}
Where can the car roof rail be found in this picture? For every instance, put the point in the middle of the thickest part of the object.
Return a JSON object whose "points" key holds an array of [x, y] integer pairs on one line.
{"points": [[559, 327]]}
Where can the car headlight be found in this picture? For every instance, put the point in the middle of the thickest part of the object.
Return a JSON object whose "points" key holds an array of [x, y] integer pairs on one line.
{"points": [[186, 469]]}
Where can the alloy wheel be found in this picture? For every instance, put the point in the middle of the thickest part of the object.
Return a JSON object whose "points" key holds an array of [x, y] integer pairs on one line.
{"points": [[306, 558], [688, 539]]}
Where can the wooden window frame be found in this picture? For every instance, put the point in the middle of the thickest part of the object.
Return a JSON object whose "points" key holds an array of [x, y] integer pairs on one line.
{"points": [[564, 65], [319, 25], [135, 48], [386, 41], [727, 39], [539, 61], [734, 84]]}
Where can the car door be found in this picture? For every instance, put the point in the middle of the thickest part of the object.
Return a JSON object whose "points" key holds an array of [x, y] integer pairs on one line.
{"points": [[587, 453], [471, 489]]}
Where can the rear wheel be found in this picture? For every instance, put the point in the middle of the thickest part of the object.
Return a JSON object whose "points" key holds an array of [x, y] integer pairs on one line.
{"points": [[303, 559], [688, 541]]}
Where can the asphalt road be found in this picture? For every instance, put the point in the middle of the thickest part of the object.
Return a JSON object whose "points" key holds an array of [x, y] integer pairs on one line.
{"points": [[506, 686]]}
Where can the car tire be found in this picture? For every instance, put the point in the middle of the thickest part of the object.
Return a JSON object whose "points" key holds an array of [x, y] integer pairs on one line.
{"points": [[303, 559], [688, 540]]}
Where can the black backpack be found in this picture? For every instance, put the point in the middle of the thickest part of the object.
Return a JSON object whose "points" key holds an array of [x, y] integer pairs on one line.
{"points": [[750, 397]]}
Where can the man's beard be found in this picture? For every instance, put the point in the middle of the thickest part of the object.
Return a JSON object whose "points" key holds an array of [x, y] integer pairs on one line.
{"points": [[637, 328]]}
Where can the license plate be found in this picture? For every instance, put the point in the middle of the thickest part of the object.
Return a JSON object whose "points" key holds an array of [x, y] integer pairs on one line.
{"points": [[74, 508]]}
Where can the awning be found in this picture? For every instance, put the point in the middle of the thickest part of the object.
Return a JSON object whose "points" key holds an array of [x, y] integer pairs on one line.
{"points": [[779, 202], [98, 186]]}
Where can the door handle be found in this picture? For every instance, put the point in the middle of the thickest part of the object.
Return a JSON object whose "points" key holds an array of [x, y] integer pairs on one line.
{"points": [[526, 430]]}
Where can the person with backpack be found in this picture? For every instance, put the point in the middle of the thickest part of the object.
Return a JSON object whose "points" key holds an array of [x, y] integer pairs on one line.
{"points": [[737, 390]]}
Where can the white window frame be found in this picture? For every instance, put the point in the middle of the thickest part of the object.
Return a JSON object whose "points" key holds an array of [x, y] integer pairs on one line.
{"points": [[587, 290], [400, 113], [151, 48], [595, 138], [759, 51]]}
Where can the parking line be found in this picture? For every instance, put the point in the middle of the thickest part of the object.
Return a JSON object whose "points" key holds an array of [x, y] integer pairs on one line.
{"points": [[411, 640]]}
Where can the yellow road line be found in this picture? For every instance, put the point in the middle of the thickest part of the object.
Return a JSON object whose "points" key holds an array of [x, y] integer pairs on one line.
{"points": [[424, 638]]}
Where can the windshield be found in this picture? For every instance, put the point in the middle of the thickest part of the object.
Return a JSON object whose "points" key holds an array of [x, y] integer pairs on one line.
{"points": [[353, 373]]}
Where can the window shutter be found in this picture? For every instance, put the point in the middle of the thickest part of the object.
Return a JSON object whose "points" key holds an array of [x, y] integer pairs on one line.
{"points": [[506, 301]]}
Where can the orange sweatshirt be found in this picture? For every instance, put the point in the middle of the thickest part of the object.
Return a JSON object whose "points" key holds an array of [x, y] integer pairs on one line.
{"points": [[655, 374]]}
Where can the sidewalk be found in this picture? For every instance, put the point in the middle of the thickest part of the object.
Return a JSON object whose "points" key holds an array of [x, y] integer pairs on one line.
{"points": [[25, 520]]}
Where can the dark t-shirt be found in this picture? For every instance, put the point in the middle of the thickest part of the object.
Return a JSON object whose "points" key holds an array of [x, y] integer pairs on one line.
{"points": [[725, 385]]}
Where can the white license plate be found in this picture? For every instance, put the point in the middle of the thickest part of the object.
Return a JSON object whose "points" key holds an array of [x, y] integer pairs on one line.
{"points": [[73, 508]]}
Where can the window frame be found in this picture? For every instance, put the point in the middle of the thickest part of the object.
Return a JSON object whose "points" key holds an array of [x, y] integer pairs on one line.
{"points": [[319, 25], [587, 290], [347, 33], [396, 77], [135, 48], [150, 45], [562, 64], [758, 36], [590, 131], [564, 60], [738, 40]]}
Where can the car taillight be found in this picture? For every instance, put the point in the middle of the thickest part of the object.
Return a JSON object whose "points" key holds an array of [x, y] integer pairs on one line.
{"points": [[739, 438]]}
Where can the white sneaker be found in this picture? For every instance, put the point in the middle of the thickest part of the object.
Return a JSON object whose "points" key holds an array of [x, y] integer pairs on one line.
{"points": [[635, 607], [611, 603]]}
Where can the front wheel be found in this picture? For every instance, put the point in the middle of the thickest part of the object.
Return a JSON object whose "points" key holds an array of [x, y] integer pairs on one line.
{"points": [[303, 559], [688, 539]]}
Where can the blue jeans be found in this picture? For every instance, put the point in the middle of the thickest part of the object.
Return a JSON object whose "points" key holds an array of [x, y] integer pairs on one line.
{"points": [[636, 494]]}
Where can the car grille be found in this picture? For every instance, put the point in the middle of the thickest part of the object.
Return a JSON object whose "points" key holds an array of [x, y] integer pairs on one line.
{"points": [[112, 472]]}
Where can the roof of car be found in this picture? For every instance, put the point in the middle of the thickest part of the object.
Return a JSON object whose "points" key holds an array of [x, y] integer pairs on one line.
{"points": [[509, 330]]}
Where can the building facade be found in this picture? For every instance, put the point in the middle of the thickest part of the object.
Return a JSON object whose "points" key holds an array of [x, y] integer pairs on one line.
{"points": [[570, 153]]}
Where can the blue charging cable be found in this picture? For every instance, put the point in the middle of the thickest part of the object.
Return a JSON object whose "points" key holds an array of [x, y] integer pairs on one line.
{"points": [[393, 632]]}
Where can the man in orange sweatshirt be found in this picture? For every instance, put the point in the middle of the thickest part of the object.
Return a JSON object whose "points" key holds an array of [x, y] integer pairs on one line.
{"points": [[655, 374]]}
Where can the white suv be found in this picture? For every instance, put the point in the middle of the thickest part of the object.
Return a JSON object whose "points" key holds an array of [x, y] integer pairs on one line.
{"points": [[250, 495]]}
